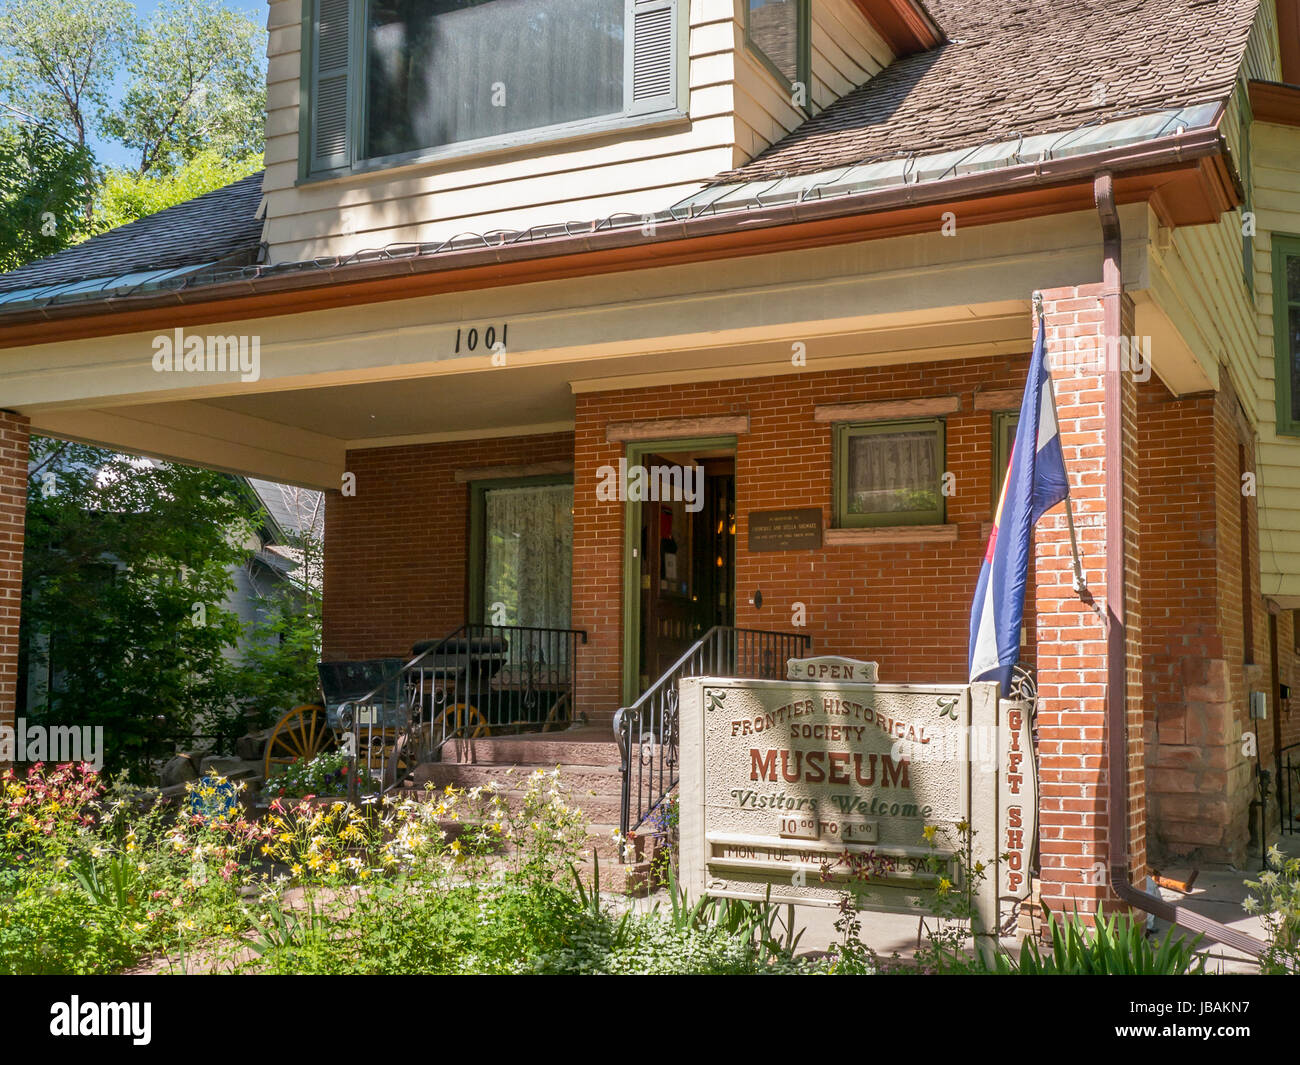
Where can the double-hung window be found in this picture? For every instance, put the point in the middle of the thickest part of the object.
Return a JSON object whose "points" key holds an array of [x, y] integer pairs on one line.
{"points": [[1286, 331], [392, 81], [889, 473]]}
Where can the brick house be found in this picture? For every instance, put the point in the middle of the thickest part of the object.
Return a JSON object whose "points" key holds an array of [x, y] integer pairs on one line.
{"points": [[793, 244]]}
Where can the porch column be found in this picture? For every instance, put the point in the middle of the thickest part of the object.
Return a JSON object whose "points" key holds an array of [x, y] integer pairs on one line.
{"points": [[14, 438], [1074, 822]]}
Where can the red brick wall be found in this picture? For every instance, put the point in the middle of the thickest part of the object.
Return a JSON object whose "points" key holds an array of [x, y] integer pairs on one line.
{"points": [[13, 515], [905, 605], [1197, 668], [396, 553], [1075, 825]]}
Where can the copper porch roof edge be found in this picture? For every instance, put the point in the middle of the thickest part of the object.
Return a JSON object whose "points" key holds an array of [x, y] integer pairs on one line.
{"points": [[1195, 159], [1275, 101], [905, 25]]}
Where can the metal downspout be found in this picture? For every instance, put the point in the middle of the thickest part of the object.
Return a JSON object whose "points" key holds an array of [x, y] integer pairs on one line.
{"points": [[1116, 627]]}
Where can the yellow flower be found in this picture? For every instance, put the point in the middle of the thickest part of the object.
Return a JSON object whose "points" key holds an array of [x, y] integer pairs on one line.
{"points": [[928, 832]]}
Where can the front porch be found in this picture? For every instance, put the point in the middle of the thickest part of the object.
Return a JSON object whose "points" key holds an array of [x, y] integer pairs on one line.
{"points": [[774, 381]]}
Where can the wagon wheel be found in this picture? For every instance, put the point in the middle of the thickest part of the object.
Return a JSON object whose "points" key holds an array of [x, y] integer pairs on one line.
{"points": [[301, 734], [557, 718], [465, 718], [402, 760]]}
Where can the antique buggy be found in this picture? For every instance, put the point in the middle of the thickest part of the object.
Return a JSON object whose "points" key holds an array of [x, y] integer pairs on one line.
{"points": [[392, 714]]}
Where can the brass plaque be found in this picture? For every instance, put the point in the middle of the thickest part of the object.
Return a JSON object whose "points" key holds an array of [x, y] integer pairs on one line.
{"points": [[785, 530]]}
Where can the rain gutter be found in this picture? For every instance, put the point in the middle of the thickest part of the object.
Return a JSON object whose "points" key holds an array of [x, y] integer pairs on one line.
{"points": [[756, 230]]}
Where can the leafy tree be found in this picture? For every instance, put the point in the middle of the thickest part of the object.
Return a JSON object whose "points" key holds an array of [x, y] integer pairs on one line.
{"points": [[184, 92], [126, 569], [42, 193], [195, 85], [126, 195], [58, 60]]}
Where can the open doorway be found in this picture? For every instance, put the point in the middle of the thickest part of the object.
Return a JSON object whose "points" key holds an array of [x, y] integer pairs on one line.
{"points": [[680, 553]]}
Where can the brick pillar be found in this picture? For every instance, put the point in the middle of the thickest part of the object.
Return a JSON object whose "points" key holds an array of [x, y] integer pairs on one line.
{"points": [[13, 513], [1074, 822], [597, 565]]}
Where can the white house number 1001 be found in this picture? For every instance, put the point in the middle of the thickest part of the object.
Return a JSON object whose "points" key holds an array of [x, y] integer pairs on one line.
{"points": [[480, 339]]}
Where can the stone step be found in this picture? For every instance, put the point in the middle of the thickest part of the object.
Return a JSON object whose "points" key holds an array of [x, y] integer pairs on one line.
{"points": [[531, 751], [601, 808], [578, 779]]}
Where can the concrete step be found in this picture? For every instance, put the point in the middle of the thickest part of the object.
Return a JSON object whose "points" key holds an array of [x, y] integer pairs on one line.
{"points": [[532, 751]]}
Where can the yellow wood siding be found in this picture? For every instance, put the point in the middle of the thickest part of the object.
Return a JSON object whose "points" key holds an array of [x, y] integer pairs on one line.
{"points": [[1262, 61], [736, 109], [845, 53], [1276, 156]]}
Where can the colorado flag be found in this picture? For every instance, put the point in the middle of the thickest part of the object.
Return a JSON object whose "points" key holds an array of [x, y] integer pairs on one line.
{"points": [[1035, 483]]}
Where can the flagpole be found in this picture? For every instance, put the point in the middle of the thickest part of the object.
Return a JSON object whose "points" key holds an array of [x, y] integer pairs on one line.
{"points": [[1079, 585]]}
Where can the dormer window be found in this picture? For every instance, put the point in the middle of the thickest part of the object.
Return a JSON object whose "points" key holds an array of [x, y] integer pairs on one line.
{"points": [[394, 81], [778, 32]]}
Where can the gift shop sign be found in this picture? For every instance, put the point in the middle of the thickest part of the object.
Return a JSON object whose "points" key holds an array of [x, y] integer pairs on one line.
{"points": [[806, 789]]}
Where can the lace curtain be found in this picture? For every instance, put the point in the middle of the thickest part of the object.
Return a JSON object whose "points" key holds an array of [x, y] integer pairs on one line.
{"points": [[890, 472], [444, 71], [528, 563]]}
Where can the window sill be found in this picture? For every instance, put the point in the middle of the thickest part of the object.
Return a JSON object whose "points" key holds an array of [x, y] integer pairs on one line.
{"points": [[510, 144], [891, 534]]}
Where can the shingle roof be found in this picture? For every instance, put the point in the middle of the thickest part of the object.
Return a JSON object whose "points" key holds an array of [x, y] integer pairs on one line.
{"points": [[1015, 67], [219, 225]]}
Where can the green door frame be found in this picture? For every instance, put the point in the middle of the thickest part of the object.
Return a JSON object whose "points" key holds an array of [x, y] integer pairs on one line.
{"points": [[634, 453], [477, 533]]}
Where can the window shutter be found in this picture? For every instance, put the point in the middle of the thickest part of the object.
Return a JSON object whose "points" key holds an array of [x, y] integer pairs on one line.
{"points": [[652, 46], [330, 141]]}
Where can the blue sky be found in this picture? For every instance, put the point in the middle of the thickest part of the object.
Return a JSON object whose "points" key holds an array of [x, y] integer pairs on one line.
{"points": [[110, 154]]}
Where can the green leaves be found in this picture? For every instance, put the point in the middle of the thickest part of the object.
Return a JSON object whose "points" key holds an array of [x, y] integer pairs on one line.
{"points": [[125, 195], [1116, 946], [43, 192], [195, 85], [58, 59], [184, 93]]}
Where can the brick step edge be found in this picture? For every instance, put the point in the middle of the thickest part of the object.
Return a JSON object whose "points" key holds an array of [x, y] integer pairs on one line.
{"points": [[549, 753]]}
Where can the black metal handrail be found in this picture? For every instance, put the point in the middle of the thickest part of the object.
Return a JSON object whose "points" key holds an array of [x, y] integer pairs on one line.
{"points": [[649, 725], [1288, 772], [476, 681]]}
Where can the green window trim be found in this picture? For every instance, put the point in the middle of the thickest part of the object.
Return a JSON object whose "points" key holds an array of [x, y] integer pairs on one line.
{"points": [[843, 433], [478, 533], [652, 97], [803, 59], [637, 452], [1002, 420], [1284, 248]]}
